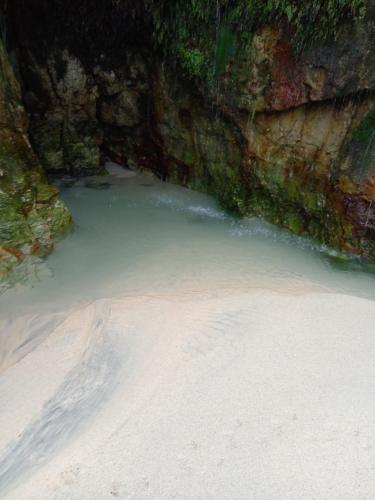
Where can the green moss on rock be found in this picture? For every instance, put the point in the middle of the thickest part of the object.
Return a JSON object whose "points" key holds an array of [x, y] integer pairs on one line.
{"points": [[30, 210]]}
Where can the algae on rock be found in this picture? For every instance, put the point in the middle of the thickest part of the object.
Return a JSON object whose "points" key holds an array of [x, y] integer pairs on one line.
{"points": [[270, 124], [31, 213]]}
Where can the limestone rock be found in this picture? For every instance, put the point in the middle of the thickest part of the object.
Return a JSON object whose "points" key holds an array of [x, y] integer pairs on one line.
{"points": [[282, 133], [31, 212]]}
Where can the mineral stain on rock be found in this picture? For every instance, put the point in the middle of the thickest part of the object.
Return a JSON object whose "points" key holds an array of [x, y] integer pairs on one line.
{"points": [[271, 127], [31, 213]]}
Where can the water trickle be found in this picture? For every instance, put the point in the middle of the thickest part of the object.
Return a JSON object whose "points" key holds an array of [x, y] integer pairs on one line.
{"points": [[217, 31], [369, 214], [366, 154]]}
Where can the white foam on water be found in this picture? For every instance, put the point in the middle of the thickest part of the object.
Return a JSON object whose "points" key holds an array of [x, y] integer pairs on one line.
{"points": [[208, 212]]}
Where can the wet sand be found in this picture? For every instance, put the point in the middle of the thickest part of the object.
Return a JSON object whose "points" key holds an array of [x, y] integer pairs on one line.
{"points": [[193, 394]]}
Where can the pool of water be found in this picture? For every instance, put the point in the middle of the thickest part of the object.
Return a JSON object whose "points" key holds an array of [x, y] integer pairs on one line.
{"points": [[136, 234]]}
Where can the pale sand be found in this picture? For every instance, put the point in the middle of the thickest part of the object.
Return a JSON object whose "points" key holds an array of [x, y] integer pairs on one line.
{"points": [[241, 395], [116, 170]]}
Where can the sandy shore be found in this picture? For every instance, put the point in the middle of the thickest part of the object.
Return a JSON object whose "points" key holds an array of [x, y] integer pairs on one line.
{"points": [[192, 396]]}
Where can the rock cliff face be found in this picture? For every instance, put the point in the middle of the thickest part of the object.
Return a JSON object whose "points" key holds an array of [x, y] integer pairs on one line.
{"points": [[287, 135], [30, 210]]}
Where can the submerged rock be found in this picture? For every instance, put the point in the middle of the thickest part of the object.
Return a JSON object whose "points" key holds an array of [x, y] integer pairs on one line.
{"points": [[99, 186]]}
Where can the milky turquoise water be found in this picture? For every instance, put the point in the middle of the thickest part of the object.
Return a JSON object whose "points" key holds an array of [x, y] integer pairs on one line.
{"points": [[138, 235]]}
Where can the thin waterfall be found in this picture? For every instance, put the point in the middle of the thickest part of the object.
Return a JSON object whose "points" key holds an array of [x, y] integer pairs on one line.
{"points": [[367, 151], [368, 215]]}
